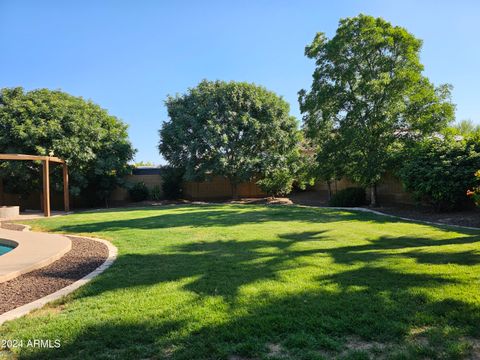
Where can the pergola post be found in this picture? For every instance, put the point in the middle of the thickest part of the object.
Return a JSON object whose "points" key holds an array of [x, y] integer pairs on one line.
{"points": [[45, 195], [46, 187], [66, 197]]}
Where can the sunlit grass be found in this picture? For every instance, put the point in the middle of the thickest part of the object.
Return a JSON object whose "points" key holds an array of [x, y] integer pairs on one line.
{"points": [[252, 282]]}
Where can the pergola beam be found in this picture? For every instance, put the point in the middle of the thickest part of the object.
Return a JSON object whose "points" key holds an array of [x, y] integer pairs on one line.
{"points": [[45, 177], [31, 158]]}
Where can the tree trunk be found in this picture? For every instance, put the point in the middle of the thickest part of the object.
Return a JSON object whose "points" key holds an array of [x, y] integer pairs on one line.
{"points": [[329, 184], [373, 195], [234, 190]]}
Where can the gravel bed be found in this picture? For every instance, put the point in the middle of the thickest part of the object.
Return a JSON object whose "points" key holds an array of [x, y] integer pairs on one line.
{"points": [[11, 226], [84, 257], [469, 218]]}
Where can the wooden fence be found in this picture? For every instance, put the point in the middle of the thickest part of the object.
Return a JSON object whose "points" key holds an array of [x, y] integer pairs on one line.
{"points": [[389, 191]]}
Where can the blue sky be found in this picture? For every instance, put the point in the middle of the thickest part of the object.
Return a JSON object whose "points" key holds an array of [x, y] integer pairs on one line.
{"points": [[128, 55]]}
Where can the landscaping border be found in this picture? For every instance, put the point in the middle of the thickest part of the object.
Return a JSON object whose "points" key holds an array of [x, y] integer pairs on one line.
{"points": [[398, 217], [27, 308]]}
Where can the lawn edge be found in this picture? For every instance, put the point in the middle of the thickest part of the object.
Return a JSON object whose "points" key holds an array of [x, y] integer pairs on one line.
{"points": [[360, 209], [376, 212], [39, 303]]}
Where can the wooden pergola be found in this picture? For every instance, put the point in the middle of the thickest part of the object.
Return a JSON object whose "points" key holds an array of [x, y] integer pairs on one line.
{"points": [[46, 160]]}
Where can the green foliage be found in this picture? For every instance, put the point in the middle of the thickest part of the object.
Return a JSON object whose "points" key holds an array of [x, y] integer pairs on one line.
{"points": [[475, 193], [278, 182], [144, 163], [139, 192], [465, 128], [156, 193], [368, 93], [297, 169], [349, 197], [439, 171], [231, 129], [42, 122], [172, 182]]}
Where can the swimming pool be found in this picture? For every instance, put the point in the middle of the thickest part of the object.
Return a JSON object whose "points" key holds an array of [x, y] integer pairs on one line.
{"points": [[4, 249]]}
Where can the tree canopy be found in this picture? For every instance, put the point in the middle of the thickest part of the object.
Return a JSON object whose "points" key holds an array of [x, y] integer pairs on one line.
{"points": [[44, 122], [233, 129], [369, 92]]}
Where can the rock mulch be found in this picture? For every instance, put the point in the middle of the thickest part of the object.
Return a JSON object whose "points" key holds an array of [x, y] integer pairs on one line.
{"points": [[11, 226], [84, 257], [470, 218]]}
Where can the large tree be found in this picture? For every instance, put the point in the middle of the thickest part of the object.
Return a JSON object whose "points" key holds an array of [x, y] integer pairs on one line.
{"points": [[233, 129], [42, 122], [369, 91]]}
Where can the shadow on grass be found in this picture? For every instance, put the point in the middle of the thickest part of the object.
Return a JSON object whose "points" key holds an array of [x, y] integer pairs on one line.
{"points": [[306, 325], [367, 300], [212, 215]]}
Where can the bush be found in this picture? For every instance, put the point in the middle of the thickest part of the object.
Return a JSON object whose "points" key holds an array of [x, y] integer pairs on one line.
{"points": [[440, 171], [352, 196], [172, 182], [278, 182], [139, 192], [156, 193]]}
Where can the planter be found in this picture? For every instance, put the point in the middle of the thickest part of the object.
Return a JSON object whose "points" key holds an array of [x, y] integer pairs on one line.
{"points": [[9, 211]]}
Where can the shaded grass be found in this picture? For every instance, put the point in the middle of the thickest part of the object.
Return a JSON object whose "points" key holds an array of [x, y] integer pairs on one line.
{"points": [[245, 282]]}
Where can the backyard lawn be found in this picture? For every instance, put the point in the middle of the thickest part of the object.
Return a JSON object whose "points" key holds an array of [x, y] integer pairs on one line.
{"points": [[244, 282]]}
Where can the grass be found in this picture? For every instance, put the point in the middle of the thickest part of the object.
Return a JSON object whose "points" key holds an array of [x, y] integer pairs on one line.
{"points": [[264, 282]]}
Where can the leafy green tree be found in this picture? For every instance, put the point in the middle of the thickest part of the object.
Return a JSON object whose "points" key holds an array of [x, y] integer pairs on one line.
{"points": [[44, 122], [277, 182], [237, 130], [279, 179], [330, 160], [466, 127], [369, 90], [440, 170], [144, 163]]}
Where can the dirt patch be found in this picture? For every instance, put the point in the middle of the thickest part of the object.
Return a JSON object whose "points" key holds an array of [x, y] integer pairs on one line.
{"points": [[355, 343], [84, 257], [274, 350]]}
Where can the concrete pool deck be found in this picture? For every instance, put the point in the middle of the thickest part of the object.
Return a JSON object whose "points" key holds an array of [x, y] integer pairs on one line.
{"points": [[32, 251]]}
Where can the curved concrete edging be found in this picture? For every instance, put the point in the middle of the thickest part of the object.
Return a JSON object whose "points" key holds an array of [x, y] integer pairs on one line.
{"points": [[27, 308], [32, 251]]}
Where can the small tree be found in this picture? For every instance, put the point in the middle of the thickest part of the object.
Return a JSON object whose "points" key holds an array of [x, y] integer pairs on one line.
{"points": [[237, 130], [368, 89], [279, 178], [42, 122], [278, 182]]}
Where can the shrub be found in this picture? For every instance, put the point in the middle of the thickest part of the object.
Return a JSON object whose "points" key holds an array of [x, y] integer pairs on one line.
{"points": [[156, 193], [139, 192], [352, 196], [278, 182], [440, 171], [172, 182]]}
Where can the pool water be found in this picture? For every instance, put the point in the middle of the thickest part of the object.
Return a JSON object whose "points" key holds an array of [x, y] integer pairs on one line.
{"points": [[4, 249]]}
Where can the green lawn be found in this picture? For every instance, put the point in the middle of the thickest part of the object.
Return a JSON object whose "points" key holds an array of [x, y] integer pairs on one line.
{"points": [[265, 282]]}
